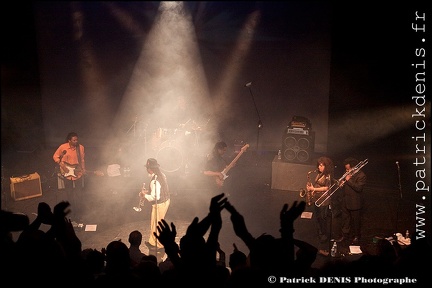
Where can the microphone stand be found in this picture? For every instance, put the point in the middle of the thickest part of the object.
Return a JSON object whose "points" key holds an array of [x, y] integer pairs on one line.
{"points": [[260, 125], [145, 139], [399, 180], [400, 193], [156, 213], [4, 196], [133, 127]]}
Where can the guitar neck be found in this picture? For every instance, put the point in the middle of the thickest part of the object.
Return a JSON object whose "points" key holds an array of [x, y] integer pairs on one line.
{"points": [[235, 159], [232, 163]]}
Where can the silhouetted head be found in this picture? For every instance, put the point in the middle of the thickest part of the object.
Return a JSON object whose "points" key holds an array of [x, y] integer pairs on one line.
{"points": [[135, 238], [117, 256]]}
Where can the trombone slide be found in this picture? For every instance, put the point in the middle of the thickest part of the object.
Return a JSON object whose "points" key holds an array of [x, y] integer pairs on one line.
{"points": [[339, 183]]}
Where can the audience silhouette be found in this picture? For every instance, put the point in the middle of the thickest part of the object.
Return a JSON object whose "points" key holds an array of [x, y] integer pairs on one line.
{"points": [[197, 260], [135, 240]]}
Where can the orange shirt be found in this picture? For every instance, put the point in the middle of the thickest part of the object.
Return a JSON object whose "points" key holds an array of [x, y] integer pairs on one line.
{"points": [[69, 155]]}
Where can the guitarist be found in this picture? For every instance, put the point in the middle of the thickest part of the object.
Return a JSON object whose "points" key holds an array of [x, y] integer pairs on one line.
{"points": [[70, 158], [214, 166]]}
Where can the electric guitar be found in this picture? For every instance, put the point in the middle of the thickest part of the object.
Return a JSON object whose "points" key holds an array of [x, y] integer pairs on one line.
{"points": [[75, 171], [219, 181]]}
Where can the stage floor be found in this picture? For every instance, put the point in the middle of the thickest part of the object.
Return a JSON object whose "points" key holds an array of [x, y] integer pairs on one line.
{"points": [[108, 205]]}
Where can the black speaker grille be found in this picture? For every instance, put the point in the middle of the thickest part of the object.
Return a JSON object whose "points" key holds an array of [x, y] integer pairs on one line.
{"points": [[297, 148]]}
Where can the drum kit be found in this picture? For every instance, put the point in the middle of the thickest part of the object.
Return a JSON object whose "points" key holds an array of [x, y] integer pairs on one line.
{"points": [[169, 144]]}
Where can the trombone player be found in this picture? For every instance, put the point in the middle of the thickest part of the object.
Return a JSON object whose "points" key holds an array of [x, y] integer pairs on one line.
{"points": [[322, 214], [352, 201]]}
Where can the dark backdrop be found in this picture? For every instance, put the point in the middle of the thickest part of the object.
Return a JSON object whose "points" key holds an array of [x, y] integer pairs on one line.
{"points": [[345, 67]]}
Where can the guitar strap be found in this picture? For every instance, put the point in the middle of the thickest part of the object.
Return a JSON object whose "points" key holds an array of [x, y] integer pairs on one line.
{"points": [[78, 151], [78, 154]]}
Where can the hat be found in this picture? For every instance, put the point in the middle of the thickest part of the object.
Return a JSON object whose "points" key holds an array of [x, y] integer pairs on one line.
{"points": [[152, 163]]}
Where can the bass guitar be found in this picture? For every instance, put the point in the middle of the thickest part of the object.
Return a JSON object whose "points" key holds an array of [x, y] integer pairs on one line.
{"points": [[75, 172], [219, 181]]}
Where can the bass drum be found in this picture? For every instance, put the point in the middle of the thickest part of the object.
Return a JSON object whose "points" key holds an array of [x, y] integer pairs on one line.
{"points": [[169, 157], [159, 136]]}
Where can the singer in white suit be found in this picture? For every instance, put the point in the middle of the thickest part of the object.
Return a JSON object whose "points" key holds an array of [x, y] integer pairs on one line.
{"points": [[159, 197]]}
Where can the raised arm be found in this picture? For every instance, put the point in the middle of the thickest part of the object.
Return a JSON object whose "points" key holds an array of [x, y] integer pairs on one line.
{"points": [[239, 225]]}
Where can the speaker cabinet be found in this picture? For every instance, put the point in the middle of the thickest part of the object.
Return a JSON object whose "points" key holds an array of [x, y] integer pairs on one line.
{"points": [[289, 176], [298, 148], [26, 186]]}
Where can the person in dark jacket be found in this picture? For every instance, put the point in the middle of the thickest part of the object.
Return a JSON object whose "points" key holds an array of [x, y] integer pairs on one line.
{"points": [[352, 201]]}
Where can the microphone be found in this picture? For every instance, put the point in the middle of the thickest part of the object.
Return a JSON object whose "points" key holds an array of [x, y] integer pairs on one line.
{"points": [[397, 164], [312, 171], [248, 84]]}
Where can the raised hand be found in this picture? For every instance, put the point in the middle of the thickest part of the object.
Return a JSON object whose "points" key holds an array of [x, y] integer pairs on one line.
{"points": [[62, 209], [44, 216], [217, 203], [194, 228], [44, 213], [239, 225], [166, 234], [288, 216]]}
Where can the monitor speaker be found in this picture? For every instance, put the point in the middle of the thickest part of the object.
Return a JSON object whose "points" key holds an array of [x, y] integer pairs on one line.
{"points": [[298, 148]]}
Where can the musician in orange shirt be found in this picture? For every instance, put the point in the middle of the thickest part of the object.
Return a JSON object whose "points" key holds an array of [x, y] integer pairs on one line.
{"points": [[70, 157]]}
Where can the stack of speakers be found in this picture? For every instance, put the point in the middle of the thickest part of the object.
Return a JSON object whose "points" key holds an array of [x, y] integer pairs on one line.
{"points": [[298, 141]]}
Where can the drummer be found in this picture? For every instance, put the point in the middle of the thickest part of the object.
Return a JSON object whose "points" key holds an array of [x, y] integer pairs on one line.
{"points": [[179, 120], [173, 123]]}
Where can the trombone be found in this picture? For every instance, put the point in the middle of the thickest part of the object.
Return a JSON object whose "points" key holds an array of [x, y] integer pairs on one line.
{"points": [[339, 183]]}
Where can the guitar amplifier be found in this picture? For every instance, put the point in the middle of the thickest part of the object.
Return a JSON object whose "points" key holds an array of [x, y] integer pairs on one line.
{"points": [[25, 186]]}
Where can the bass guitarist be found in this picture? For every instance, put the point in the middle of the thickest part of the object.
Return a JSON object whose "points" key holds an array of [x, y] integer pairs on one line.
{"points": [[216, 167], [70, 158]]}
